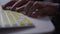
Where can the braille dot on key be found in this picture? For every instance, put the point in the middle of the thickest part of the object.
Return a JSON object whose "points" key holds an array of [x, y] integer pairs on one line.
{"points": [[22, 22], [28, 22]]}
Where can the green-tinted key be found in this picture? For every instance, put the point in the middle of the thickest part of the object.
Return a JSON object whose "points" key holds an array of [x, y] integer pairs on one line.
{"points": [[22, 22], [19, 14], [15, 15], [28, 22], [11, 17], [5, 18]]}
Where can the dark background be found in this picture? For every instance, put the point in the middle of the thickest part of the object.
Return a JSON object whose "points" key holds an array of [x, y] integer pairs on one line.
{"points": [[56, 19]]}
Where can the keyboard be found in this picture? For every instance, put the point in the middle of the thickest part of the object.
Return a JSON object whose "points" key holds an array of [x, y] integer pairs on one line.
{"points": [[10, 19]]}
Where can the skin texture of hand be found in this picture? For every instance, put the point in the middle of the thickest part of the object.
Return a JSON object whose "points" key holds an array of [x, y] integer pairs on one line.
{"points": [[14, 3], [33, 8], [38, 9], [9, 4]]}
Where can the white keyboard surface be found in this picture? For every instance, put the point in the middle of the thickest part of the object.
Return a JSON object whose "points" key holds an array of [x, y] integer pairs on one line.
{"points": [[13, 19]]}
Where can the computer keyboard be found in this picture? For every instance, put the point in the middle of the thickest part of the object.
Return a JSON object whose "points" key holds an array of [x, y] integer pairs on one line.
{"points": [[9, 19]]}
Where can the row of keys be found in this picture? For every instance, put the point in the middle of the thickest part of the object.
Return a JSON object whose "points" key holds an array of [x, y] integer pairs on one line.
{"points": [[9, 18]]}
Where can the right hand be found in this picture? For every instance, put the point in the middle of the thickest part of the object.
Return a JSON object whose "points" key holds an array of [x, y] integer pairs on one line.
{"points": [[34, 8]]}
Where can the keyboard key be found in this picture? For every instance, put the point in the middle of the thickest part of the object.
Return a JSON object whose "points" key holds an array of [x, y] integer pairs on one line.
{"points": [[22, 22]]}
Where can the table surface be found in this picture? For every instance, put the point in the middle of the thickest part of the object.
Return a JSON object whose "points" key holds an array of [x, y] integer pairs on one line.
{"points": [[42, 25]]}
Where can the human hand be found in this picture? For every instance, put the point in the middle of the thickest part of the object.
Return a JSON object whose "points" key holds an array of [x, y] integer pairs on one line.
{"points": [[38, 9], [34, 8]]}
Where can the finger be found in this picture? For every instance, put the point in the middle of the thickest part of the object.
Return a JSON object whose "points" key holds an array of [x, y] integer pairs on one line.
{"points": [[26, 7], [35, 14], [31, 9], [20, 9], [35, 6], [37, 10], [44, 10], [9, 4], [38, 13], [19, 4]]}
